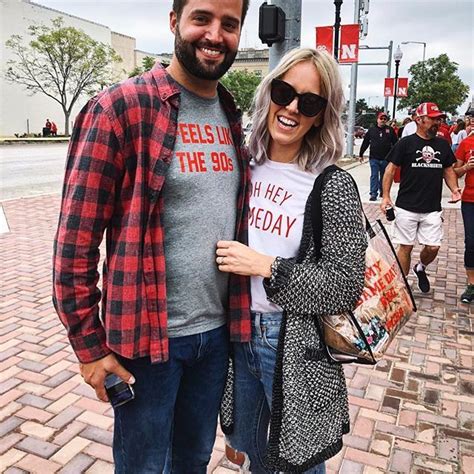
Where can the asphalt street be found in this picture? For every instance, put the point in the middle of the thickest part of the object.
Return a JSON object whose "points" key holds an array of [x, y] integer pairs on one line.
{"points": [[31, 170]]}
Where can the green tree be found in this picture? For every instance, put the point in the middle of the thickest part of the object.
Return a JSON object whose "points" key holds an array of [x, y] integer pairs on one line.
{"points": [[61, 62], [365, 115], [242, 85], [147, 64], [435, 80], [361, 106]]}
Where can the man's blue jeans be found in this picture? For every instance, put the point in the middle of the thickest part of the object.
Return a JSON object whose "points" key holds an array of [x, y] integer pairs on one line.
{"points": [[174, 413], [377, 169], [254, 367]]}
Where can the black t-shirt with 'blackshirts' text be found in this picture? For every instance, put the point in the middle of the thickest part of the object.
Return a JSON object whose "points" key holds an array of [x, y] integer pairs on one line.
{"points": [[422, 165]]}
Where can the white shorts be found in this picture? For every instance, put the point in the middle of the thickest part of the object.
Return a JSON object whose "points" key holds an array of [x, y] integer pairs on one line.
{"points": [[408, 227]]}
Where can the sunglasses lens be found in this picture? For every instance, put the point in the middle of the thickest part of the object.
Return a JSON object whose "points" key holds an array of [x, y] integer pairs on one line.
{"points": [[311, 104], [281, 93]]}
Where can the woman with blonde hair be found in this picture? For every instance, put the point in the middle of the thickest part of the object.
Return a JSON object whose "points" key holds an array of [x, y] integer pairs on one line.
{"points": [[288, 406]]}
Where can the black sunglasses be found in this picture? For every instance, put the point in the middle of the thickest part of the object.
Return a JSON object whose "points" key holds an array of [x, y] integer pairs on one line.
{"points": [[309, 104]]}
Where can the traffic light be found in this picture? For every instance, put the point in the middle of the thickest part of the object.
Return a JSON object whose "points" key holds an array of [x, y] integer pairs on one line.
{"points": [[271, 28]]}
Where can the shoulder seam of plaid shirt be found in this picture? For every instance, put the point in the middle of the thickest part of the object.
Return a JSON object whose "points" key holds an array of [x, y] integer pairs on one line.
{"points": [[120, 149]]}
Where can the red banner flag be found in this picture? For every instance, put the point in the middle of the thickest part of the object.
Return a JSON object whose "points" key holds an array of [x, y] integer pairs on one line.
{"points": [[402, 87], [389, 87], [349, 49], [324, 39]]}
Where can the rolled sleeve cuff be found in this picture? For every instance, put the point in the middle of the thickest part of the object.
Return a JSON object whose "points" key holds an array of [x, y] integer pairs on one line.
{"points": [[90, 347], [281, 270]]}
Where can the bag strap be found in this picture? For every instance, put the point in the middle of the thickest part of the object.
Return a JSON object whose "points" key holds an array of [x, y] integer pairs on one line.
{"points": [[316, 207]]}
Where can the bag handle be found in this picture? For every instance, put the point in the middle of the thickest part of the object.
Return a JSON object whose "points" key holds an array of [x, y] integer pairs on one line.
{"points": [[316, 208]]}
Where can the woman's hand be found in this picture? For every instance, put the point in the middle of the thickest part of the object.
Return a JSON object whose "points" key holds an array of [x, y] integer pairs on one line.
{"points": [[234, 257]]}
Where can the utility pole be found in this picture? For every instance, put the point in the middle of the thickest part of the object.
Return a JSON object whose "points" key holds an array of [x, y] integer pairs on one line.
{"points": [[337, 25], [353, 95], [292, 9]]}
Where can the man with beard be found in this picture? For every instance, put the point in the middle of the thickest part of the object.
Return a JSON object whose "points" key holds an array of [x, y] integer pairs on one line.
{"points": [[424, 161], [157, 162]]}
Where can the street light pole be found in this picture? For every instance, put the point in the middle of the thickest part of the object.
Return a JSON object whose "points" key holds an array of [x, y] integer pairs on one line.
{"points": [[337, 25], [418, 42], [398, 57], [424, 52]]}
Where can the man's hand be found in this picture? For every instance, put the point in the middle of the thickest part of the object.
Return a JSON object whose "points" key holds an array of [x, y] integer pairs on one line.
{"points": [[386, 202], [455, 196], [361, 159], [94, 374], [234, 257]]}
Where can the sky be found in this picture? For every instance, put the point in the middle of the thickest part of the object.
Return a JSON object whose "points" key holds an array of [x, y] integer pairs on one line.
{"points": [[445, 27]]}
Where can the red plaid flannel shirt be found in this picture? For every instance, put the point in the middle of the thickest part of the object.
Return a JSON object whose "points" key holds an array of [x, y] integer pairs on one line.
{"points": [[120, 150]]}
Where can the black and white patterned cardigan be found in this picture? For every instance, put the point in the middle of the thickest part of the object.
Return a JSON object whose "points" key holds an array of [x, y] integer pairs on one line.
{"points": [[309, 411]]}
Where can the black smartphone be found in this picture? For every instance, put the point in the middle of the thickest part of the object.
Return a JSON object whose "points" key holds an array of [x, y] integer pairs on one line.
{"points": [[117, 390], [390, 213]]}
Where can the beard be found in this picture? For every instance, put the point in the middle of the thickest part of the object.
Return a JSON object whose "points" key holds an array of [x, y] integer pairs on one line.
{"points": [[186, 55], [432, 131]]}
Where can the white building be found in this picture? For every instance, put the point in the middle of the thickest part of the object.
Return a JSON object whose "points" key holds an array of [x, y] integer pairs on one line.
{"points": [[20, 112]]}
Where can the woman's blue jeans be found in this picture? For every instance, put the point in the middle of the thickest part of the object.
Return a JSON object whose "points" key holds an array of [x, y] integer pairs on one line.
{"points": [[254, 367], [171, 424], [467, 210]]}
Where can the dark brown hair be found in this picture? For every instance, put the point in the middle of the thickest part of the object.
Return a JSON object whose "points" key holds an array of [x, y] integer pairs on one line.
{"points": [[178, 6]]}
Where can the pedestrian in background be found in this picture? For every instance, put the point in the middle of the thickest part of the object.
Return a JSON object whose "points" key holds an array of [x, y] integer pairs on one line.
{"points": [[410, 128], [393, 124], [404, 123], [54, 129], [469, 120], [296, 133], [465, 167], [380, 138], [443, 131], [157, 162], [47, 128], [424, 160], [458, 134]]}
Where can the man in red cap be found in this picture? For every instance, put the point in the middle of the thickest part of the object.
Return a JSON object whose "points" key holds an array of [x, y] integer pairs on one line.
{"points": [[424, 161], [380, 138]]}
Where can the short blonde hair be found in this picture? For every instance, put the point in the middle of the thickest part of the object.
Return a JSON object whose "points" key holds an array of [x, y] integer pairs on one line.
{"points": [[322, 145]]}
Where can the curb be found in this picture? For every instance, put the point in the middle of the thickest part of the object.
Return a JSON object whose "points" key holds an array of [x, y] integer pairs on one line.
{"points": [[27, 141]]}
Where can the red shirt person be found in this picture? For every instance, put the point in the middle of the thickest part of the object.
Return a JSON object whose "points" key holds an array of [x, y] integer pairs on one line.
{"points": [[465, 166], [443, 131]]}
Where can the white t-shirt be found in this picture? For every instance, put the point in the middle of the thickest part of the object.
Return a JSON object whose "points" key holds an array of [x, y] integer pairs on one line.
{"points": [[459, 137], [277, 203], [409, 129]]}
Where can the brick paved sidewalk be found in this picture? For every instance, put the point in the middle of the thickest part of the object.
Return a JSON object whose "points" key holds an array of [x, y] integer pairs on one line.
{"points": [[413, 413]]}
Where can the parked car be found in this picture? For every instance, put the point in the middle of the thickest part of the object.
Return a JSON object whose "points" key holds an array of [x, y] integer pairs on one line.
{"points": [[359, 132]]}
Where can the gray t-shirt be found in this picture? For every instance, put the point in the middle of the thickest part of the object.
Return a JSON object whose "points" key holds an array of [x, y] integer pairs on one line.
{"points": [[200, 206]]}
